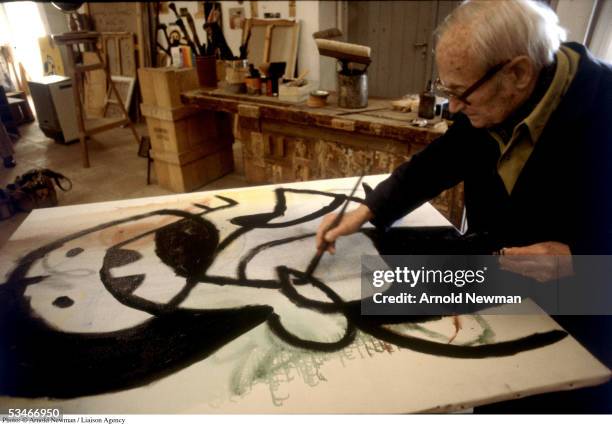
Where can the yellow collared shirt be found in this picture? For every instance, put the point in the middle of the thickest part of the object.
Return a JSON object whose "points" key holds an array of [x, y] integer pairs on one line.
{"points": [[526, 133]]}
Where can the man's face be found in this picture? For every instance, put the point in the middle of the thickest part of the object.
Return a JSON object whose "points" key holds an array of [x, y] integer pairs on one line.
{"points": [[492, 102]]}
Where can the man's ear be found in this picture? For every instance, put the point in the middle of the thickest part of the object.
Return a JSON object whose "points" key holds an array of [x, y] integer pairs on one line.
{"points": [[522, 72]]}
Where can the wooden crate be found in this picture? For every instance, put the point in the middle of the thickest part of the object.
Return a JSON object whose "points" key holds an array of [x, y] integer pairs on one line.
{"points": [[163, 86], [186, 128], [190, 170]]}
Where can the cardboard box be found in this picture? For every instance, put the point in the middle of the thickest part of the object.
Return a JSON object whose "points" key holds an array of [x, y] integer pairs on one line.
{"points": [[191, 170], [186, 128], [163, 86], [296, 93]]}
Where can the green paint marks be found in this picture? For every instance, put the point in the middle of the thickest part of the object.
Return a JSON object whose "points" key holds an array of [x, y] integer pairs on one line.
{"points": [[276, 364]]}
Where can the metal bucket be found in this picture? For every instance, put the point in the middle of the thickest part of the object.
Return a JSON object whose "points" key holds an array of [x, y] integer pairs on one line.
{"points": [[353, 90]]}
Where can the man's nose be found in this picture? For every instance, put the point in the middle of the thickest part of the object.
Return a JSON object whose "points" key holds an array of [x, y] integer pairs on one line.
{"points": [[455, 105]]}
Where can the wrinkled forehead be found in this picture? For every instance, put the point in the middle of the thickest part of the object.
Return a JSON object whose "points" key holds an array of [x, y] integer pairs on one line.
{"points": [[456, 63]]}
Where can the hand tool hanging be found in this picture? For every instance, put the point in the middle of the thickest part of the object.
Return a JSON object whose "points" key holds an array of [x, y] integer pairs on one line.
{"points": [[244, 47], [216, 43], [160, 26], [192, 27], [179, 22]]}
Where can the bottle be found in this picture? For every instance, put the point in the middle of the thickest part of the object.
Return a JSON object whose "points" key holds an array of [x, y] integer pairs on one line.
{"points": [[427, 103]]}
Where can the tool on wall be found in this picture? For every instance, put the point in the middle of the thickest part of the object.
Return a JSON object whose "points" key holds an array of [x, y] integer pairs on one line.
{"points": [[179, 23], [217, 45], [192, 27], [164, 30], [244, 47]]}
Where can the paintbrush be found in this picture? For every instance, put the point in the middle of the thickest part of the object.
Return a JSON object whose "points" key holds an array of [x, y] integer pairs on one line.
{"points": [[315, 261]]}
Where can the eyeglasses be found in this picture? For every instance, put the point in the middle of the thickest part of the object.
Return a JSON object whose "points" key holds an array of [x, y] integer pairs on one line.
{"points": [[444, 91]]}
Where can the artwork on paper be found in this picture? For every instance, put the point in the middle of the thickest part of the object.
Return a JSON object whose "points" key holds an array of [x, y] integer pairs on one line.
{"points": [[236, 18], [145, 293], [51, 57]]}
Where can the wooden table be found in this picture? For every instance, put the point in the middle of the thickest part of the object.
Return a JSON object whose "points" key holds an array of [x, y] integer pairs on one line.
{"points": [[94, 316], [288, 142]]}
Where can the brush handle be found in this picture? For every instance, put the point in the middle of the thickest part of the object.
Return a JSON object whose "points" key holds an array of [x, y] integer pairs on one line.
{"points": [[315, 261]]}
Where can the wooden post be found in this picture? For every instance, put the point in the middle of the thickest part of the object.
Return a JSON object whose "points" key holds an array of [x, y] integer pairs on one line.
{"points": [[76, 91]]}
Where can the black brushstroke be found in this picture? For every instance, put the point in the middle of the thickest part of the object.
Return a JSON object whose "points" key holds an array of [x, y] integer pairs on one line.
{"points": [[121, 257], [499, 349], [74, 252], [127, 284], [63, 302], [263, 220], [73, 365], [37, 360], [188, 246]]}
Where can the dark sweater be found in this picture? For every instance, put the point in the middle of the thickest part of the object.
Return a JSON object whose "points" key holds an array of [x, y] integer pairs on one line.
{"points": [[564, 192]]}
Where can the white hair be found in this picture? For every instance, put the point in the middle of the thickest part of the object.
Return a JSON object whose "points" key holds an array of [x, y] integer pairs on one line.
{"points": [[503, 29]]}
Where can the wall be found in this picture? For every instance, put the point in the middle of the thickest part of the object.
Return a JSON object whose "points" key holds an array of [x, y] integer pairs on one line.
{"points": [[601, 44], [328, 18], [308, 54], [5, 37], [25, 26], [307, 12], [53, 19], [574, 16], [56, 22]]}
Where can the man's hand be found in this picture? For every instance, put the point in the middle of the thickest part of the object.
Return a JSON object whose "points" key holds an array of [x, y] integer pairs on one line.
{"points": [[538, 261], [350, 223]]}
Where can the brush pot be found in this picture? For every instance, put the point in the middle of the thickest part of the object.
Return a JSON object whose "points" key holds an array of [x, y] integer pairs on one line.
{"points": [[206, 67]]}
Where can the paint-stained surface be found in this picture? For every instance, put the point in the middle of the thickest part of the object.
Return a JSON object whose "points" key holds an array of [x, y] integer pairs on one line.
{"points": [[201, 303]]}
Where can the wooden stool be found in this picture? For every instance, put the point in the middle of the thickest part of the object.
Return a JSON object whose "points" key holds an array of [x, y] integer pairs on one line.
{"points": [[24, 108], [90, 38], [6, 115], [20, 110]]}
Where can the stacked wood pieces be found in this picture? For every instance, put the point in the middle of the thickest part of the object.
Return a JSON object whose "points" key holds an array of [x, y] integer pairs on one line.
{"points": [[191, 146]]}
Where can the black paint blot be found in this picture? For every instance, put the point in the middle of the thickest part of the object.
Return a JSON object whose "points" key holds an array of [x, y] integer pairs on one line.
{"points": [[63, 302], [188, 246], [74, 252]]}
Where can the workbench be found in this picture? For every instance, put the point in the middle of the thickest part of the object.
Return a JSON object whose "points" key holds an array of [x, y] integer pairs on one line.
{"points": [[288, 142], [97, 316]]}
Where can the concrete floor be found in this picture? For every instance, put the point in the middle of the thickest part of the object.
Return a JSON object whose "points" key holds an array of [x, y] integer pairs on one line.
{"points": [[116, 171]]}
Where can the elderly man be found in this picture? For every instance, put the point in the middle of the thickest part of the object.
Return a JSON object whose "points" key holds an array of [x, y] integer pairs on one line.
{"points": [[532, 144]]}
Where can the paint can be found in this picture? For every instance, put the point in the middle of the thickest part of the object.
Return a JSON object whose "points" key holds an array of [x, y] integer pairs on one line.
{"points": [[253, 85], [353, 89], [317, 98]]}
